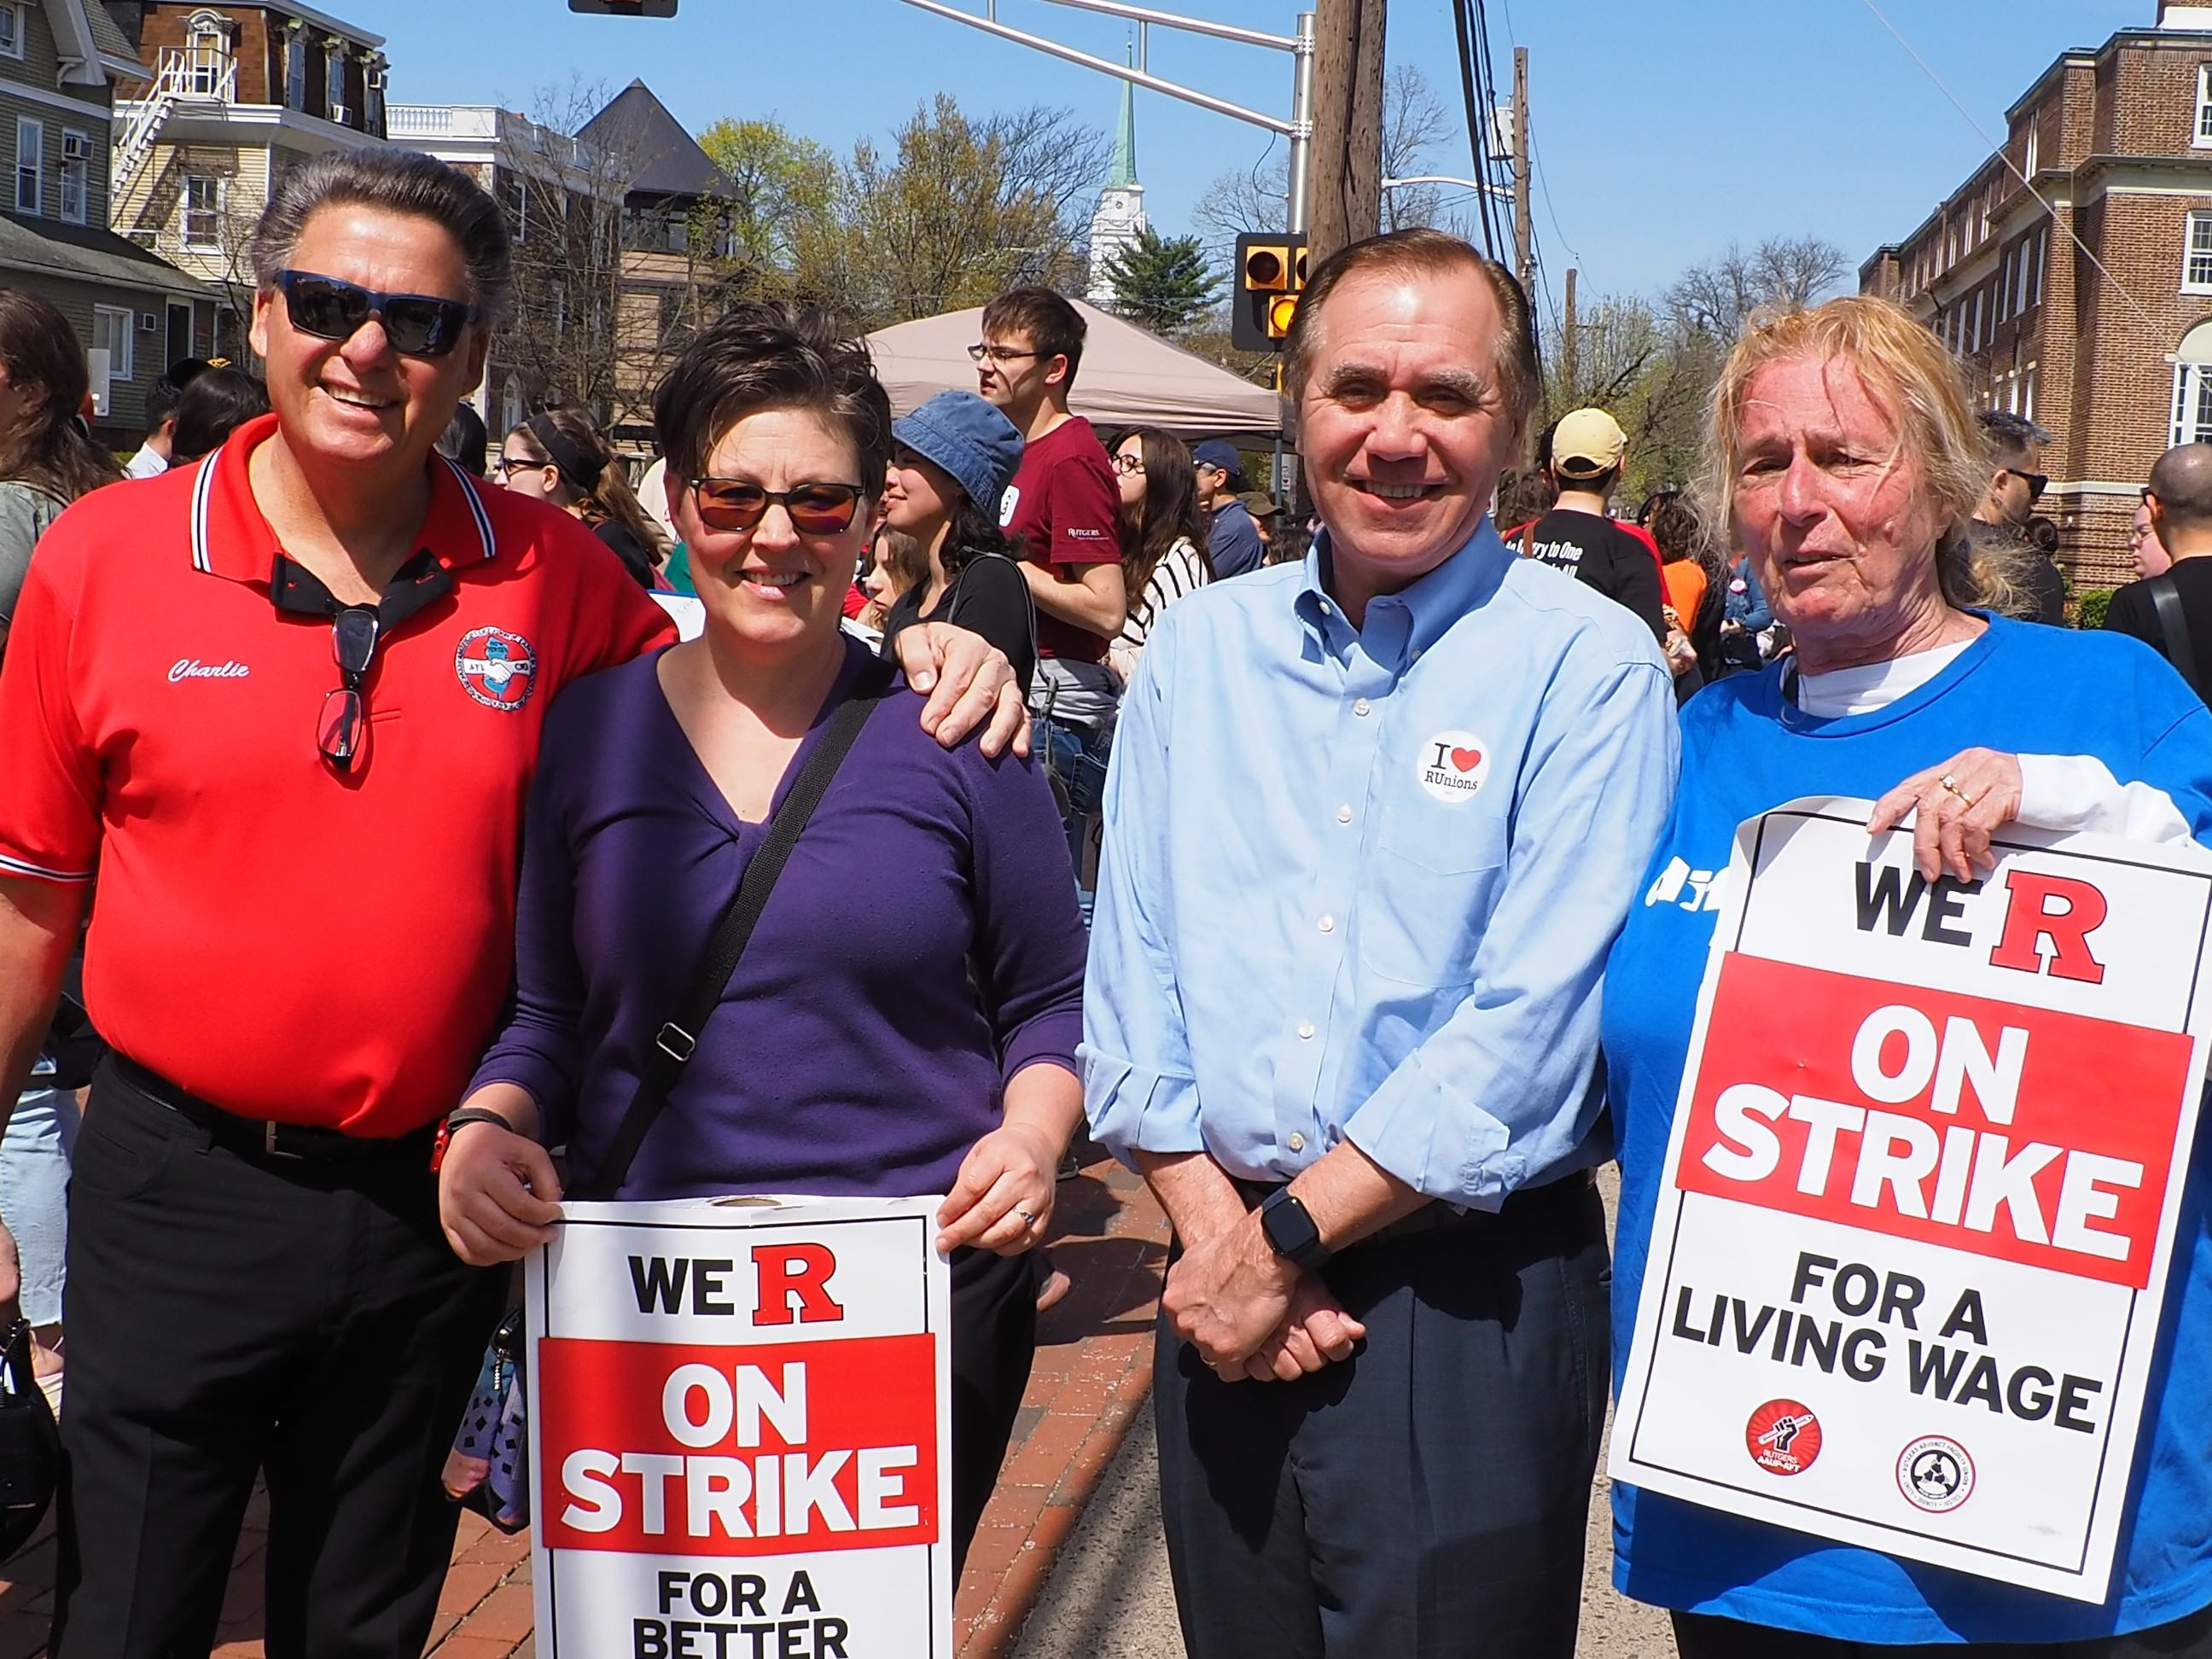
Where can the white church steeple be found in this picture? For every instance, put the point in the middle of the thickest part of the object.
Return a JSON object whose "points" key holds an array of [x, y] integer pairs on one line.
{"points": [[1121, 216]]}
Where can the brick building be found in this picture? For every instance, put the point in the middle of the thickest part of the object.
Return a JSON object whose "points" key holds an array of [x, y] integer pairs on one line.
{"points": [[238, 93], [2082, 298]]}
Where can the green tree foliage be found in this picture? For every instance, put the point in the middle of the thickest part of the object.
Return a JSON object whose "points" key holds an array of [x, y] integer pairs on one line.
{"points": [[779, 184], [1162, 282], [955, 209]]}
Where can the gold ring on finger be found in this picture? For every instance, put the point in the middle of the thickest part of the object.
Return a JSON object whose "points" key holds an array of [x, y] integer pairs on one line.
{"points": [[1952, 784]]}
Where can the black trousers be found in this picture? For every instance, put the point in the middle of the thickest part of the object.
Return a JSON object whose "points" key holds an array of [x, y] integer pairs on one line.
{"points": [[229, 1313], [1427, 1497], [1698, 1636], [994, 1345]]}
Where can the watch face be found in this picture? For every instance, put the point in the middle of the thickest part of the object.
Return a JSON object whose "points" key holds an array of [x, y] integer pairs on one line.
{"points": [[1288, 1228]]}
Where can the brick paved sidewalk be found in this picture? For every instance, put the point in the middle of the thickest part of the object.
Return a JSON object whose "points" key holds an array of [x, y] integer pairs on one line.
{"points": [[1094, 1364]]}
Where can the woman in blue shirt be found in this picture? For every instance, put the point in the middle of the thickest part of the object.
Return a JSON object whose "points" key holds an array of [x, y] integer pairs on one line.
{"points": [[1845, 460]]}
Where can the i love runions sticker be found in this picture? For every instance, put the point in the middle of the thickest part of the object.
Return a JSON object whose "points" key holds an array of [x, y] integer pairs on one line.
{"points": [[1453, 766]]}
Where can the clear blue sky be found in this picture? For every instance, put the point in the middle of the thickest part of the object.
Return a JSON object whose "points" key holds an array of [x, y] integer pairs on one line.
{"points": [[1664, 128]]}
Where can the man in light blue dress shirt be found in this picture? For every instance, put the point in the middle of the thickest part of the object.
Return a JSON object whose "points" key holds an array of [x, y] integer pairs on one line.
{"points": [[1353, 1043]]}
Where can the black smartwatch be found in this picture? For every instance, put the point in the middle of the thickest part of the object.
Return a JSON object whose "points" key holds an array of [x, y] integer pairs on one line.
{"points": [[1291, 1231]]}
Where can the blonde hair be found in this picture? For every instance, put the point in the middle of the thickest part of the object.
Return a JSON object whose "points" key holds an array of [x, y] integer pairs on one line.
{"points": [[1917, 382]]}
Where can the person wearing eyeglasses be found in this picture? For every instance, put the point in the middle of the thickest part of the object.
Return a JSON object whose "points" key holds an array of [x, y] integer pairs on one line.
{"points": [[558, 455], [287, 703], [1063, 507], [1999, 529], [859, 1048]]}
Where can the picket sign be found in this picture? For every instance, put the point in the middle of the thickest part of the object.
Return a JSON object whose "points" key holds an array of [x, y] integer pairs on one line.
{"points": [[1913, 1232], [740, 1420]]}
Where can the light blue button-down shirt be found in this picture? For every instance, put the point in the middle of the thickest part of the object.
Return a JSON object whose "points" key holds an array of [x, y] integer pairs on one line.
{"points": [[1360, 883]]}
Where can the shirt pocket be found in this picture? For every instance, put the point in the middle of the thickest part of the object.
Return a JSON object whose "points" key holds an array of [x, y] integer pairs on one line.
{"points": [[1433, 880]]}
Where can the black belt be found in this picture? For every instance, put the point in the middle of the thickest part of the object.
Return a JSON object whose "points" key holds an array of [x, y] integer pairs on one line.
{"points": [[263, 1138], [1437, 1216]]}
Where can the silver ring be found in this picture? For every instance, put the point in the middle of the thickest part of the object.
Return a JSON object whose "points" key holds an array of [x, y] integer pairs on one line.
{"points": [[1027, 1217]]}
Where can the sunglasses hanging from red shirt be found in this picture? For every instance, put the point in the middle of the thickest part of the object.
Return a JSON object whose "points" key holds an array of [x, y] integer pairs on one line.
{"points": [[342, 723]]}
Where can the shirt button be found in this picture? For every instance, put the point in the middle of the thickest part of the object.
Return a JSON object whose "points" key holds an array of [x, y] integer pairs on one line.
{"points": [[1296, 1143], [1343, 814], [1360, 709], [1305, 1029], [1328, 924]]}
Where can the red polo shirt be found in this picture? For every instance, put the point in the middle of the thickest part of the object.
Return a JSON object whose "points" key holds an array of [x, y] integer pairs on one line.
{"points": [[284, 939]]}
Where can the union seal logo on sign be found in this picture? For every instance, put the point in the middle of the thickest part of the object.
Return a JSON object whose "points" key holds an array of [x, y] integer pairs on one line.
{"points": [[495, 667], [1782, 1437], [1934, 1474], [1453, 766]]}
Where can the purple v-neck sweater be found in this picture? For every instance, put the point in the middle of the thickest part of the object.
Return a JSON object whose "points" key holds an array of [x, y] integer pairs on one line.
{"points": [[851, 1054]]}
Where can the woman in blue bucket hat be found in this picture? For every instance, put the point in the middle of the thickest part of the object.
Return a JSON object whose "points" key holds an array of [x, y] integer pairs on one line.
{"points": [[955, 455]]}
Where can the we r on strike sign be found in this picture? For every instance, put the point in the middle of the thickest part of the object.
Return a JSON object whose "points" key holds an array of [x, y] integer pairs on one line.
{"points": [[739, 1418], [1912, 1238]]}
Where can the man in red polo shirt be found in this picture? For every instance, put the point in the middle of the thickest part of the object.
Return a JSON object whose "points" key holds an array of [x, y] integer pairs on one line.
{"points": [[285, 705]]}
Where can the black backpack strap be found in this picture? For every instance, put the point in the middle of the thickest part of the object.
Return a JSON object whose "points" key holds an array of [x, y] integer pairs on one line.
{"points": [[2173, 629], [673, 1043]]}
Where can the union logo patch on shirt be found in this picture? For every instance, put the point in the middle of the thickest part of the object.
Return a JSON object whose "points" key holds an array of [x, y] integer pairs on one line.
{"points": [[495, 667], [1453, 766]]}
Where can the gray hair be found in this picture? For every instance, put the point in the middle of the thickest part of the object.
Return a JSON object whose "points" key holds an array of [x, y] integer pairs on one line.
{"points": [[402, 181]]}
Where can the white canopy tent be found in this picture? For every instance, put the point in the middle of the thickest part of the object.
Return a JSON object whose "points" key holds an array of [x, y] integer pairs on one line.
{"points": [[1127, 377]]}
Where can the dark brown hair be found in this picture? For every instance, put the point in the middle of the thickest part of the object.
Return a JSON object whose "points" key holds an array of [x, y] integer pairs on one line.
{"points": [[46, 447], [1055, 328], [1168, 513], [1424, 253], [597, 483], [216, 404], [773, 353]]}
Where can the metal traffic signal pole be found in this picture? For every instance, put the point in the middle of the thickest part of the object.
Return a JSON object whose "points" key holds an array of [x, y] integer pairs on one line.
{"points": [[1298, 129]]}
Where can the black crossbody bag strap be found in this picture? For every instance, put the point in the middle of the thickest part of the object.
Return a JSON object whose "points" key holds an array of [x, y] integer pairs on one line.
{"points": [[673, 1043], [2173, 628]]}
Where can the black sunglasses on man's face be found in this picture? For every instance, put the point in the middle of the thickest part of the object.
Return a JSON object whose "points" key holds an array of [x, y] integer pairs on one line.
{"points": [[418, 325]]}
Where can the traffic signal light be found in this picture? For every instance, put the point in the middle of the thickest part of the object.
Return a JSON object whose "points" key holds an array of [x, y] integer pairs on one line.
{"points": [[1271, 274]]}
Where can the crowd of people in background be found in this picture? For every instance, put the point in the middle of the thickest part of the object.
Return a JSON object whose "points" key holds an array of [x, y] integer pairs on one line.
{"points": [[517, 735]]}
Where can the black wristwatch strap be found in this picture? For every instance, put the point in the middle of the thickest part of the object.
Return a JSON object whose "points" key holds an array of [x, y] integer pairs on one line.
{"points": [[1291, 1231], [461, 1118]]}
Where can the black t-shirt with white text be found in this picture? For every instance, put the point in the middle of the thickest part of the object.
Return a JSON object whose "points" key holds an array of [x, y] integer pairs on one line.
{"points": [[1598, 552]]}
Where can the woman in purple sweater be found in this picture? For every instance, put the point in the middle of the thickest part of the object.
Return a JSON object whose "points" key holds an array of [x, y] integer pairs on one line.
{"points": [[905, 1017]]}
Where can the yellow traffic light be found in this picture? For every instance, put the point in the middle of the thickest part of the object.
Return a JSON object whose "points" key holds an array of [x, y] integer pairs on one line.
{"points": [[1282, 311], [1266, 267]]}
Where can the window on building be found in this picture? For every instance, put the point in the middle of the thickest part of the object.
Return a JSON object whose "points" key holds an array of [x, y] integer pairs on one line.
{"points": [[2034, 147], [202, 209], [30, 163], [296, 71], [334, 80], [11, 31], [372, 99], [2196, 261], [76, 174], [514, 189], [2042, 254], [2203, 136], [2192, 387], [2027, 391], [112, 332], [207, 60]]}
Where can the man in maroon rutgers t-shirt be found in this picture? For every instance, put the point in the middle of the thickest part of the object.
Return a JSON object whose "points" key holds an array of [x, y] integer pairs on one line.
{"points": [[1063, 503], [1065, 508]]}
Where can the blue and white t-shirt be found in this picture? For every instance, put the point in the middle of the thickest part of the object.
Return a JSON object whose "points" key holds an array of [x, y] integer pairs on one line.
{"points": [[1747, 747]]}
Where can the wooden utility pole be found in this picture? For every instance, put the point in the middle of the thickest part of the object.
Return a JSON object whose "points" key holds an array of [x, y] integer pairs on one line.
{"points": [[1569, 346], [1524, 244], [1346, 201]]}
